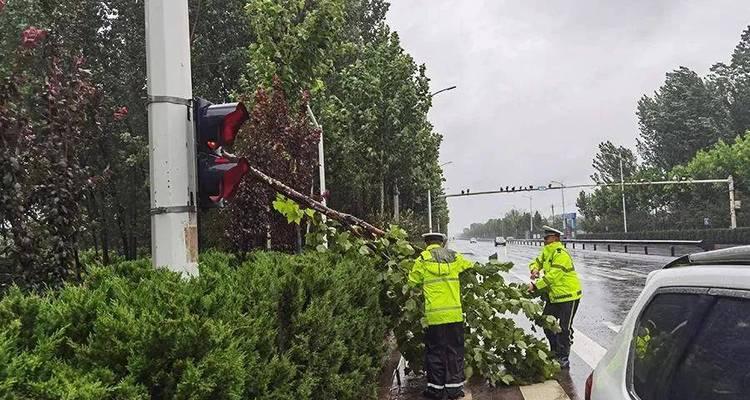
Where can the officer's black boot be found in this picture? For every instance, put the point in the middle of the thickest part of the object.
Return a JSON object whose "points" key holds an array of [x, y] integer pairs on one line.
{"points": [[456, 393], [432, 393]]}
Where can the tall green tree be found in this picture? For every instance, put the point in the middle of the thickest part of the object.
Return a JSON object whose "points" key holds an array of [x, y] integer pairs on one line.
{"points": [[48, 108], [732, 85], [682, 117], [607, 163]]}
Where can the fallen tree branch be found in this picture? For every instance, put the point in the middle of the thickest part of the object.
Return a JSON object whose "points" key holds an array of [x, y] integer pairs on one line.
{"points": [[354, 224]]}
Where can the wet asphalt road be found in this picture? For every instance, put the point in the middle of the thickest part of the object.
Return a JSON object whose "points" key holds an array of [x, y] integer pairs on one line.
{"points": [[611, 284]]}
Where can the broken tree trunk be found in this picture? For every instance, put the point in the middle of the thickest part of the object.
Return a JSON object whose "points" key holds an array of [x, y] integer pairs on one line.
{"points": [[352, 223]]}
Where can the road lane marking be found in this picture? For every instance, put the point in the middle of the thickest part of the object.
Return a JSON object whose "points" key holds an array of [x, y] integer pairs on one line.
{"points": [[587, 349], [614, 270], [608, 276], [614, 327], [549, 390]]}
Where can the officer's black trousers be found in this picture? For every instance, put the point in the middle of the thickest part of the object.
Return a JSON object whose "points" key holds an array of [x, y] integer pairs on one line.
{"points": [[565, 312], [444, 357]]}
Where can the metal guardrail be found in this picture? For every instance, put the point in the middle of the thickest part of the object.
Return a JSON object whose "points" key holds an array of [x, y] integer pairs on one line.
{"points": [[596, 244]]}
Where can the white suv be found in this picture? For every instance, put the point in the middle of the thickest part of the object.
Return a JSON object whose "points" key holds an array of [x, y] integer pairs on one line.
{"points": [[687, 336]]}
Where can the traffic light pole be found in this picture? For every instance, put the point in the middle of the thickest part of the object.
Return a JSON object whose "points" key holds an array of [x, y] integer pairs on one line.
{"points": [[174, 228]]}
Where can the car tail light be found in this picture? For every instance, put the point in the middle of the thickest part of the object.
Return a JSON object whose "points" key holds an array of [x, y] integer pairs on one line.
{"points": [[589, 385]]}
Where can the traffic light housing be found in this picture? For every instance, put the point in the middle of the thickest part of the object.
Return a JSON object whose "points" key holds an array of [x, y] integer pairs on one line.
{"points": [[218, 178], [217, 125], [219, 173]]}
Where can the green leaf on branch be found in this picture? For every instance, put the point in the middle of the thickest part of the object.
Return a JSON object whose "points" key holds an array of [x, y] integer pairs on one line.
{"points": [[289, 209], [410, 305]]}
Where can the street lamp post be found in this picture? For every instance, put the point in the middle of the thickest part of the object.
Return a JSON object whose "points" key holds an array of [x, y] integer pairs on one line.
{"points": [[429, 194], [531, 216], [429, 209], [321, 155], [321, 165], [443, 90], [622, 188], [562, 192]]}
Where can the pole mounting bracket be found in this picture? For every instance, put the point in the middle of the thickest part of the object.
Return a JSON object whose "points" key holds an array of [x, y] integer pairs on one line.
{"points": [[170, 99], [172, 210]]}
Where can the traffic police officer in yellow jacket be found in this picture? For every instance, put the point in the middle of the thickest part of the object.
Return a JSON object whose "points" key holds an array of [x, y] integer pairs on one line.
{"points": [[553, 273], [437, 270]]}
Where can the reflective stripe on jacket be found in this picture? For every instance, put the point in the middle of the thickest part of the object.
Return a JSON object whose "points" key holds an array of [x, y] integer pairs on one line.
{"points": [[560, 278], [437, 270]]}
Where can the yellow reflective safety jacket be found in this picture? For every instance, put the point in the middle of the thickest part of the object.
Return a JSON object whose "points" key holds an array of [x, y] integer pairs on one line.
{"points": [[559, 278], [437, 271]]}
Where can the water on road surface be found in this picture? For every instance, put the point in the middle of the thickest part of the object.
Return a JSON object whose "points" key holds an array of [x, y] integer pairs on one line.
{"points": [[611, 283]]}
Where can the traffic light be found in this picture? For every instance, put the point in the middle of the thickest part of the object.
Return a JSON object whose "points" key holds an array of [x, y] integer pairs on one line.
{"points": [[218, 178], [219, 173], [216, 125]]}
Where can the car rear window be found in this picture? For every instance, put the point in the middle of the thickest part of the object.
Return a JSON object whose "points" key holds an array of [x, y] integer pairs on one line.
{"points": [[663, 331], [715, 364]]}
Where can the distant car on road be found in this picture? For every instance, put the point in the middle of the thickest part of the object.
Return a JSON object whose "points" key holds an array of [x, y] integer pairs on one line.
{"points": [[686, 336], [500, 241], [473, 240]]}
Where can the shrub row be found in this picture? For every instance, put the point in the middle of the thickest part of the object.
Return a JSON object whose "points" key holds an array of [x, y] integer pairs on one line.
{"points": [[722, 236], [273, 327]]}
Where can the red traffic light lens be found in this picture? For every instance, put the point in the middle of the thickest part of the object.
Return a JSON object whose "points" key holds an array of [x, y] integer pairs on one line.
{"points": [[218, 179], [232, 123], [232, 178]]}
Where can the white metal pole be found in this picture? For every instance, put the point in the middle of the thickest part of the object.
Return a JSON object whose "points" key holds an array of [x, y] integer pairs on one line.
{"points": [[552, 219], [531, 216], [622, 188], [429, 209], [321, 155], [174, 223], [565, 220], [732, 205], [321, 165], [396, 207]]}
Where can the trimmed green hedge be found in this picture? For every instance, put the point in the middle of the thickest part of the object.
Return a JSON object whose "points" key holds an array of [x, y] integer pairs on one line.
{"points": [[275, 327], [721, 236]]}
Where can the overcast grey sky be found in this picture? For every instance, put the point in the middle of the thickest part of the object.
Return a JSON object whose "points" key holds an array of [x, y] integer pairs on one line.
{"points": [[542, 82]]}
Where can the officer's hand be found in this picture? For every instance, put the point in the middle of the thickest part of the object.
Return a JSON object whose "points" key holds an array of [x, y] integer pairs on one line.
{"points": [[532, 287]]}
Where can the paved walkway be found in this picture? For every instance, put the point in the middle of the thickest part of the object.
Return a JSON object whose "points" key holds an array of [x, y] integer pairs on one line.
{"points": [[411, 389]]}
